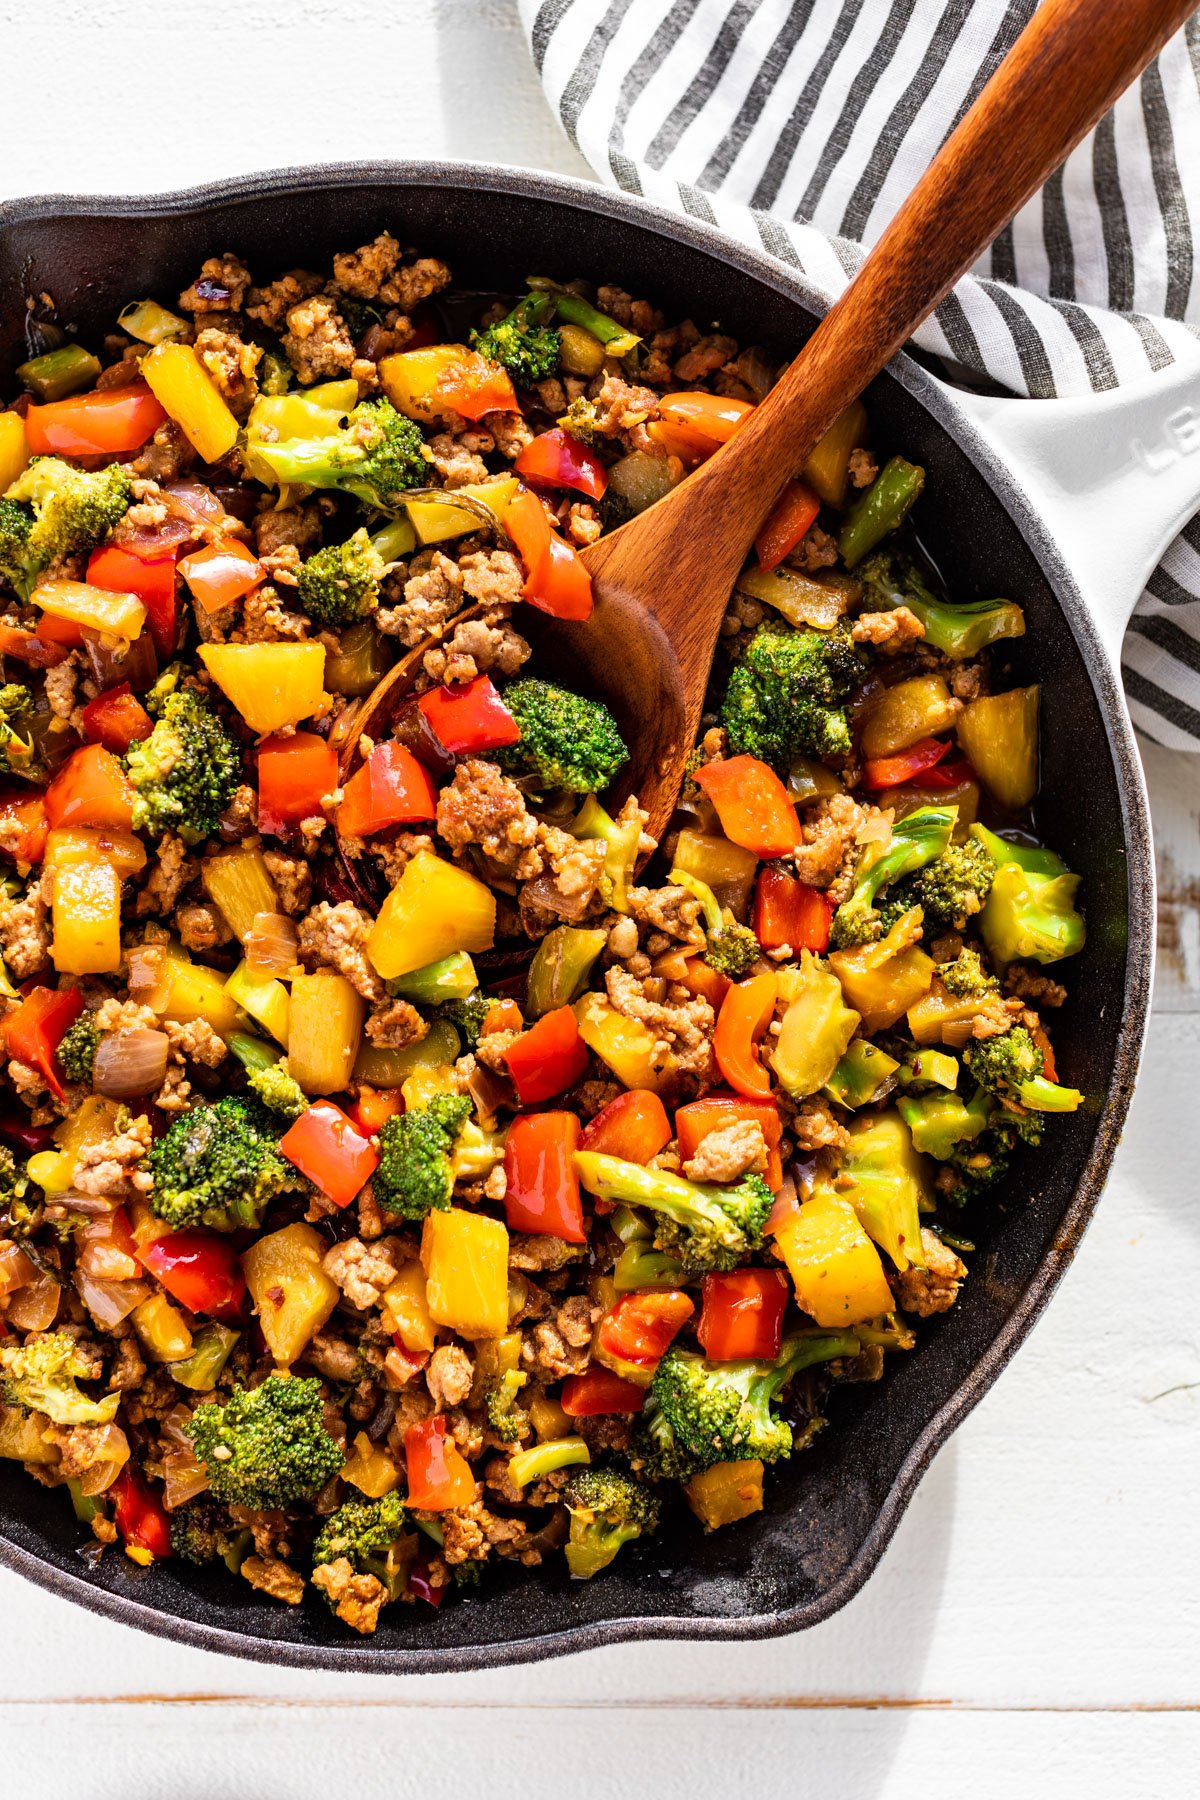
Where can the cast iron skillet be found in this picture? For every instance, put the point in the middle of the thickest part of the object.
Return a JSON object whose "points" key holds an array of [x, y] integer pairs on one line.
{"points": [[830, 1513]]}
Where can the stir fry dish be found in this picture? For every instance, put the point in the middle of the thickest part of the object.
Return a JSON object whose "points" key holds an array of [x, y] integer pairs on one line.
{"points": [[405, 1163]]}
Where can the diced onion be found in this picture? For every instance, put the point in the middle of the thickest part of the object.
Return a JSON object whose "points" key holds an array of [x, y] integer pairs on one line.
{"points": [[130, 1063], [99, 1255], [16, 1270], [145, 962], [108, 1301], [183, 1478], [108, 1454], [115, 659], [35, 1306], [272, 946]]}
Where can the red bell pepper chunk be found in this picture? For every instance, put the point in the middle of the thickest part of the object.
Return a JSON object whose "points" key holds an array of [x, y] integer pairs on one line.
{"points": [[542, 1193], [91, 789], [294, 775], [741, 1314], [950, 773], [30, 647], [744, 1016], [105, 423], [693, 425], [600, 1390], [560, 460], [391, 788], [752, 805], [789, 911], [60, 631], [24, 817], [708, 983], [694, 1122], [642, 1325], [502, 1015], [116, 719], [201, 1271], [221, 573], [556, 581], [438, 1475], [548, 1058], [634, 1127], [473, 386], [889, 771], [796, 510], [33, 1033], [374, 1107], [327, 1147], [139, 1515], [119, 571], [469, 717]]}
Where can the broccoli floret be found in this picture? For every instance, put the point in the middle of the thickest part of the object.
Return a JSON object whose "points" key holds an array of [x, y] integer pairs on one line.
{"points": [[1003, 1064], [967, 977], [361, 1531], [273, 1443], [951, 889], [414, 1173], [186, 771], [377, 455], [615, 510], [55, 510], [467, 1017], [732, 950], [279, 1092], [565, 740], [504, 1419], [787, 692], [656, 1451], [219, 1165], [77, 1048], [16, 704], [522, 342], [14, 1185], [890, 579], [203, 1532], [706, 1226], [580, 421], [607, 1509], [916, 841], [722, 1412], [41, 1375], [340, 584], [980, 1163]]}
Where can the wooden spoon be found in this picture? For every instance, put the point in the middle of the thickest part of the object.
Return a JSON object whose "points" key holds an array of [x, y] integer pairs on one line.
{"points": [[662, 582]]}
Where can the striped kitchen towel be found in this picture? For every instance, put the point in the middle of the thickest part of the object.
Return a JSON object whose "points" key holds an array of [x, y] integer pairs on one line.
{"points": [[799, 125]]}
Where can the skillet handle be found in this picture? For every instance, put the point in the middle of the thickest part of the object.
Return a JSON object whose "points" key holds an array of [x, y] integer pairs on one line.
{"points": [[1115, 476]]}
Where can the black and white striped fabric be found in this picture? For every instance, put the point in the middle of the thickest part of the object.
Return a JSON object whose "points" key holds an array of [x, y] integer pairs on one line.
{"points": [[799, 125]]}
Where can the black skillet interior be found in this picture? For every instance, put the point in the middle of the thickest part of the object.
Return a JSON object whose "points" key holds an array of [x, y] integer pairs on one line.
{"points": [[829, 1514]]}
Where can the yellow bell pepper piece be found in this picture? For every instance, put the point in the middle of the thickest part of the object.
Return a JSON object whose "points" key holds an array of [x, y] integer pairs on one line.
{"points": [[827, 469], [187, 990], [271, 685], [890, 1188], [239, 883], [324, 1030], [938, 1017], [726, 867], [371, 1470], [629, 1048], [14, 451], [999, 736], [83, 844], [292, 1294], [549, 1420], [465, 1258], [906, 713], [409, 378], [816, 1029], [89, 1124], [52, 1171], [881, 980], [114, 615], [434, 909], [834, 1266], [436, 520], [265, 999], [406, 1309], [162, 1329], [726, 1492], [381, 1065], [86, 913], [183, 389]]}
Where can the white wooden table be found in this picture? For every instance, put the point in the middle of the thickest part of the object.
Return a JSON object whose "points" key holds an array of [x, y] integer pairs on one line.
{"points": [[1035, 1626]]}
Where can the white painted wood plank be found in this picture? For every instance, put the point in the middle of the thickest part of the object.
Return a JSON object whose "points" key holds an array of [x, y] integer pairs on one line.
{"points": [[224, 1752], [1051, 1555]]}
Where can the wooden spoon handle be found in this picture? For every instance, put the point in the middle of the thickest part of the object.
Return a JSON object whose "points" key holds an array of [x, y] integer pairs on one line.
{"points": [[1067, 68]]}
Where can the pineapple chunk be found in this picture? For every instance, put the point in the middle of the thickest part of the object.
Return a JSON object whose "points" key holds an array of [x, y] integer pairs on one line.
{"points": [[406, 1309], [834, 1266], [238, 882], [371, 1470], [628, 1047], [115, 615], [14, 451], [465, 1258], [324, 1031], [272, 685], [162, 1330], [725, 1493], [80, 844], [86, 909], [409, 378], [22, 1439], [183, 389], [433, 910], [187, 990], [292, 1294]]}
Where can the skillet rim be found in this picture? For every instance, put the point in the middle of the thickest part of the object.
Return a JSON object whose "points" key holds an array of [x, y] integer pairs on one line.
{"points": [[578, 195]]}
